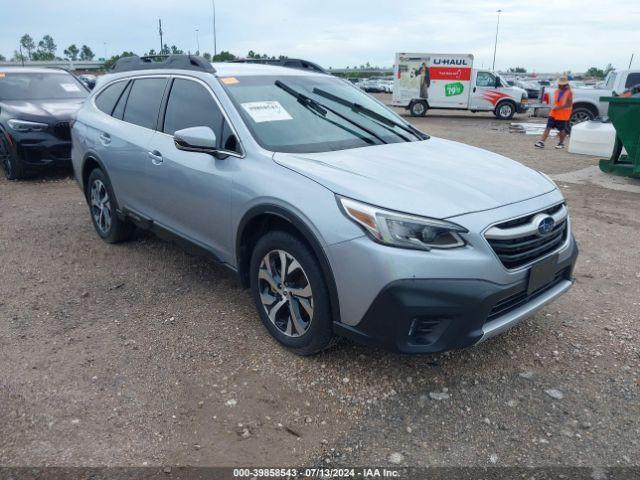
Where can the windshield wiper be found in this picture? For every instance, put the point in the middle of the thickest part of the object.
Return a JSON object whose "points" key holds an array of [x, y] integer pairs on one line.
{"points": [[356, 107], [322, 109]]}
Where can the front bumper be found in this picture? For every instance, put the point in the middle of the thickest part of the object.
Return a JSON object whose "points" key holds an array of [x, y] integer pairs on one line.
{"points": [[433, 315], [38, 150]]}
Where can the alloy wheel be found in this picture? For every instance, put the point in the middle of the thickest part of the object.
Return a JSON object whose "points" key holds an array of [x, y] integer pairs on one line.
{"points": [[580, 116], [505, 111], [101, 206], [285, 293], [5, 160]]}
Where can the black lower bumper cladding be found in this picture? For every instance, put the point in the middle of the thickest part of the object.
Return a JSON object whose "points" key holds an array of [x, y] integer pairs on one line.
{"points": [[434, 315]]}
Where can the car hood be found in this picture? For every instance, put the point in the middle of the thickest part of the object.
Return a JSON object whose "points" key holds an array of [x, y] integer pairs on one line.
{"points": [[42, 109], [434, 178]]}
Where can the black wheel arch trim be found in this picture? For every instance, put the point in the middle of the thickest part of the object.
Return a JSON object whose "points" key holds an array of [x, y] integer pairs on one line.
{"points": [[310, 237], [90, 155]]}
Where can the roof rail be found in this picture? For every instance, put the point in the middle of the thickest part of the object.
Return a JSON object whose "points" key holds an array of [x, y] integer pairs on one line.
{"points": [[155, 62], [284, 62]]}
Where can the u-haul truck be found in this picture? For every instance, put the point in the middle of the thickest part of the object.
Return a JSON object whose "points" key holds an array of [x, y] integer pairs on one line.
{"points": [[449, 81]]}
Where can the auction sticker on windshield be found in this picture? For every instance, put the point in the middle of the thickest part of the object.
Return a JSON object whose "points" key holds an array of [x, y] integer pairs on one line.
{"points": [[269, 111], [70, 87]]}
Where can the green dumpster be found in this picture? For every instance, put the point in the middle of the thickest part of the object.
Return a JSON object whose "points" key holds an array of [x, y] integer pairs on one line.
{"points": [[624, 113]]}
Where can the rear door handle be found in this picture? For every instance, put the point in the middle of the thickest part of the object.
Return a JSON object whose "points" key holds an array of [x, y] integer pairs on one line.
{"points": [[105, 138], [156, 157]]}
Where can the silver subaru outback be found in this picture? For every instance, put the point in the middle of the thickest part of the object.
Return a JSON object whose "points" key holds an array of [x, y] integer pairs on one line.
{"points": [[341, 217]]}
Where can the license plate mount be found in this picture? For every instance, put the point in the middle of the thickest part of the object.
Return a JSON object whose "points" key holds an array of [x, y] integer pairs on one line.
{"points": [[542, 273]]}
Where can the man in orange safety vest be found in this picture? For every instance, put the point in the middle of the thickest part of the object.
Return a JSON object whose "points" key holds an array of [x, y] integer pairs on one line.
{"points": [[560, 113]]}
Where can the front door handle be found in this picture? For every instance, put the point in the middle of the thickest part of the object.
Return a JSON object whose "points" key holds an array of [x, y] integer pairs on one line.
{"points": [[155, 156], [105, 139]]}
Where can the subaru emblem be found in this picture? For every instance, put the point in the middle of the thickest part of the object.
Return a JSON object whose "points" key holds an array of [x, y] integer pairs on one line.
{"points": [[545, 225]]}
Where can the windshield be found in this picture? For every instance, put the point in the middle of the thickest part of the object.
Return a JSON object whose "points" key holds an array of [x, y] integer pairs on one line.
{"points": [[40, 86], [280, 122]]}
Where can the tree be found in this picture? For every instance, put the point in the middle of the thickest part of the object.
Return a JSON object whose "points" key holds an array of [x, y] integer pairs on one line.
{"points": [[46, 49], [71, 52], [86, 53], [165, 50], [18, 57], [109, 63], [207, 56], [517, 70], [28, 44], [252, 54], [3, 58], [175, 50], [595, 72], [224, 56]]}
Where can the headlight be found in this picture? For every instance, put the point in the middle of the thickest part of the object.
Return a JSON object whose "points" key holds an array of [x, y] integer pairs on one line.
{"points": [[400, 230], [25, 126]]}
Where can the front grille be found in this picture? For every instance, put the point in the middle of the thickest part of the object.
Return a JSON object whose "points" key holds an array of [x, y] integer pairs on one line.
{"points": [[62, 130], [514, 301], [528, 247]]}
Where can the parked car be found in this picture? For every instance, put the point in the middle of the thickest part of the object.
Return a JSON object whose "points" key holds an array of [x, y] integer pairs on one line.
{"points": [[532, 88], [586, 101], [342, 218], [36, 106]]}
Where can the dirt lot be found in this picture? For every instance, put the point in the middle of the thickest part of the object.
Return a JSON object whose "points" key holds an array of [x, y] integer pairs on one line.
{"points": [[139, 354]]}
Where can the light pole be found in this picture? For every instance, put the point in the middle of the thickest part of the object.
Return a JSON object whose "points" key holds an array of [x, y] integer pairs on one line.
{"points": [[197, 42], [213, 7], [495, 45]]}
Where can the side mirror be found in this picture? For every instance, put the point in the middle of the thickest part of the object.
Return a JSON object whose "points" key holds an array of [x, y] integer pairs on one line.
{"points": [[196, 139], [498, 83]]}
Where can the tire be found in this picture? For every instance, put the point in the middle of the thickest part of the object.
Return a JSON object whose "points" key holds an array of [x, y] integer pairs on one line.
{"points": [[11, 163], [418, 109], [300, 321], [102, 208], [581, 114], [505, 111]]}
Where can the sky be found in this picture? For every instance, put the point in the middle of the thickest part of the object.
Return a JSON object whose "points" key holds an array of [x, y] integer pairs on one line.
{"points": [[542, 36]]}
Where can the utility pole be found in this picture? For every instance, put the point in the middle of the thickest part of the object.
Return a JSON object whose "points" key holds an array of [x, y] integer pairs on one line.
{"points": [[213, 6], [197, 42], [21, 55], [495, 45], [160, 32], [631, 61]]}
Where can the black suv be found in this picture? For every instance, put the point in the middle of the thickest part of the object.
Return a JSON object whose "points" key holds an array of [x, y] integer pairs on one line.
{"points": [[36, 105]]}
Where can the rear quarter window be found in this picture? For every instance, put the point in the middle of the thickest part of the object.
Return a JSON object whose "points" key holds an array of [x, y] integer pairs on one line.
{"points": [[632, 80], [144, 102], [106, 100]]}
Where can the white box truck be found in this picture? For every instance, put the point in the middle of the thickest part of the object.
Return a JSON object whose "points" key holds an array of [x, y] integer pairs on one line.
{"points": [[449, 81]]}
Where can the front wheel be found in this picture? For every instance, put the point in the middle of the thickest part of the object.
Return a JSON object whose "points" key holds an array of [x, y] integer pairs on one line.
{"points": [[11, 164], [290, 293], [505, 111], [418, 109]]}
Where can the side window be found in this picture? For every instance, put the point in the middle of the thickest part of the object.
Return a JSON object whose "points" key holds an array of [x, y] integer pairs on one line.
{"points": [[106, 100], [118, 112], [144, 102], [632, 80], [485, 79], [191, 105]]}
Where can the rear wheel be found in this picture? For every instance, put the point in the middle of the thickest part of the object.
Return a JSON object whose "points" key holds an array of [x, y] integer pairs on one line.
{"points": [[102, 206], [418, 109], [11, 164], [581, 114], [290, 293], [505, 110]]}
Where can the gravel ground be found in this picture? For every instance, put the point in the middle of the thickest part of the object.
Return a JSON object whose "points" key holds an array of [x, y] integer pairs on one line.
{"points": [[140, 354]]}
